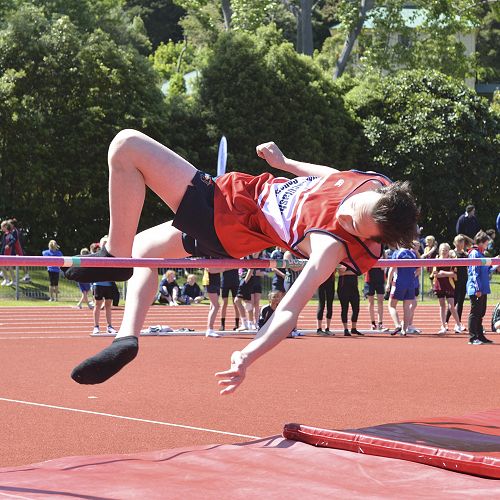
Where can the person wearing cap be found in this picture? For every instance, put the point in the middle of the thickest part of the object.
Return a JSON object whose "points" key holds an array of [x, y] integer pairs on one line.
{"points": [[467, 223], [53, 251]]}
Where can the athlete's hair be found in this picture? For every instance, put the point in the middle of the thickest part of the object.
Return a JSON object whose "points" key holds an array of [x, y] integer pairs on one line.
{"points": [[396, 214]]}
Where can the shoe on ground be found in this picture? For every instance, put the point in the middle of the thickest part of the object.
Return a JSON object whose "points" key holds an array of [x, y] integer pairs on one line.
{"points": [[382, 328], [357, 332], [459, 328], [346, 333], [402, 333], [484, 340], [111, 330], [242, 328], [413, 330], [211, 333], [26, 278], [396, 331], [95, 331], [443, 329], [3, 283], [9, 283], [374, 327], [476, 342], [78, 306], [328, 331]]}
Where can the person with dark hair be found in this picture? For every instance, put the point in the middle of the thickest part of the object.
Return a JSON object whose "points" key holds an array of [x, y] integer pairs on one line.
{"points": [[326, 293], [467, 223], [348, 293], [325, 215], [478, 288]]}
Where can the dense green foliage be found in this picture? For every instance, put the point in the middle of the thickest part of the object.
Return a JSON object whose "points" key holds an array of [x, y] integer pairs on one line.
{"points": [[437, 133], [74, 73]]}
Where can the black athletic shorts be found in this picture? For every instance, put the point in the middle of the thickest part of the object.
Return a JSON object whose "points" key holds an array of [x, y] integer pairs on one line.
{"points": [[225, 292], [244, 292], [195, 218], [54, 278], [103, 292]]}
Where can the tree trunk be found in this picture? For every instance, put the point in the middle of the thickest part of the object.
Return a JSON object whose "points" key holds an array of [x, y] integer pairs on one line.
{"points": [[366, 5], [306, 27], [227, 13]]}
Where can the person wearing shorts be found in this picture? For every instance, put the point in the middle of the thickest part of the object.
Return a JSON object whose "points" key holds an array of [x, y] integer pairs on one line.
{"points": [[213, 292], [103, 293], [243, 301], [54, 271], [229, 284], [322, 214], [375, 285], [401, 283]]}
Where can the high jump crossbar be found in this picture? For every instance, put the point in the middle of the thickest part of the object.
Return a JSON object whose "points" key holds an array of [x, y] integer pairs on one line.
{"points": [[77, 261]]}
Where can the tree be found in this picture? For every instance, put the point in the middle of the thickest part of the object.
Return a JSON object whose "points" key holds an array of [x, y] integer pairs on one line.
{"points": [[64, 93], [432, 40], [161, 19], [434, 131], [254, 89]]}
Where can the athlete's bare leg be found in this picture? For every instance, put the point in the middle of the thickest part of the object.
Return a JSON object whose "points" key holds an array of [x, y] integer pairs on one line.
{"points": [[136, 161]]}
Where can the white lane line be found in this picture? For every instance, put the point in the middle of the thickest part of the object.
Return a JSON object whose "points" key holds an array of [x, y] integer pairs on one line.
{"points": [[168, 424], [9, 495], [45, 337]]}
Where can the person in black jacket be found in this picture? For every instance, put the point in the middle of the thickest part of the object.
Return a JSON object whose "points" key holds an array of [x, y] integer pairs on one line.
{"points": [[467, 223]]}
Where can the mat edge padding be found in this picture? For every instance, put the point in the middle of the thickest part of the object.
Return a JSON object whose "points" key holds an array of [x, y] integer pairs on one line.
{"points": [[452, 460]]}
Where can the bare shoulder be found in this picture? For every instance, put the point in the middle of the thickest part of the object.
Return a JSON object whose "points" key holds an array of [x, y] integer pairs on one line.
{"points": [[325, 249]]}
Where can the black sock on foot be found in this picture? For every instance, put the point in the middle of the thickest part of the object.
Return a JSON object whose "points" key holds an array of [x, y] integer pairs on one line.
{"points": [[223, 324], [108, 362], [93, 274]]}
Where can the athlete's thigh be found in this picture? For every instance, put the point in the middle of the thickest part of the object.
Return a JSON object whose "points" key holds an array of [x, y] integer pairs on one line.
{"points": [[162, 241]]}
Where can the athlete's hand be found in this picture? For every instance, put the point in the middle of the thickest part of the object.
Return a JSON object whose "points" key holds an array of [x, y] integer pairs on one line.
{"points": [[232, 378], [271, 153]]}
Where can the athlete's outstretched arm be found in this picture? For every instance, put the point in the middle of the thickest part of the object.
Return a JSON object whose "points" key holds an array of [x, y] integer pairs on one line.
{"points": [[270, 152], [326, 253]]}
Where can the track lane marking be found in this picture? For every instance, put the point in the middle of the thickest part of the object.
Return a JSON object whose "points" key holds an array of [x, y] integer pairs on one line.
{"points": [[134, 419]]}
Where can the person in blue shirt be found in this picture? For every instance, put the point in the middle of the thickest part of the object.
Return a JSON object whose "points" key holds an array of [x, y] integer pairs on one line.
{"points": [[53, 251], [478, 288], [401, 284]]}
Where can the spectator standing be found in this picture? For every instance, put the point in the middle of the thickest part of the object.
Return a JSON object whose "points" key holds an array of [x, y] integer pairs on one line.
{"points": [[213, 292], [20, 250], [7, 248], [375, 285], [229, 283], [348, 293], [54, 271], [256, 286], [444, 287], [326, 293], [401, 286], [84, 287], [243, 301], [478, 288], [461, 244], [467, 223], [103, 296], [278, 282]]}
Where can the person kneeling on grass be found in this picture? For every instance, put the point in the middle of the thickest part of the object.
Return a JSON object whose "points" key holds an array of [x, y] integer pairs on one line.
{"points": [[324, 215]]}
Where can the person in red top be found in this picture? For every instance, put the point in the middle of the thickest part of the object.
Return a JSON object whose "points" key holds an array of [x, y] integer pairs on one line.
{"points": [[327, 216]]}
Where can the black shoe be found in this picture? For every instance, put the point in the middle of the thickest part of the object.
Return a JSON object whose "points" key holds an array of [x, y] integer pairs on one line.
{"points": [[484, 340], [353, 330], [396, 331], [346, 333], [94, 274]]}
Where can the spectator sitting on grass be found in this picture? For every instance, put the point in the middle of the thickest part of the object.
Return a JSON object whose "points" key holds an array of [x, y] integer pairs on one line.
{"points": [[191, 292]]}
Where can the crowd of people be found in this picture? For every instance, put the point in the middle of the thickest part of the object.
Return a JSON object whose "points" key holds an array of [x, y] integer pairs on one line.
{"points": [[450, 284]]}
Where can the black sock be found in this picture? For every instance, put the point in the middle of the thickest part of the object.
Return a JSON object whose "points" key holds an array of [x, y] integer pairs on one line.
{"points": [[223, 323], [108, 362], [236, 323], [93, 274]]}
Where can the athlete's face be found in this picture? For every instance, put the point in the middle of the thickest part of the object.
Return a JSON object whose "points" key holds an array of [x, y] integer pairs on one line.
{"points": [[355, 215]]}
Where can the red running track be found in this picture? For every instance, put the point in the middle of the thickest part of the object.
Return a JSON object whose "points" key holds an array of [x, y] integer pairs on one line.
{"points": [[168, 397]]}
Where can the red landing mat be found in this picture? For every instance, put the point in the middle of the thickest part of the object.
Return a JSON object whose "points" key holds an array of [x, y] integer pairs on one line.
{"points": [[272, 468], [469, 444]]}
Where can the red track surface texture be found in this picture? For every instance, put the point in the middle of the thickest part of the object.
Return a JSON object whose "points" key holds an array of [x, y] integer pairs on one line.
{"points": [[168, 397]]}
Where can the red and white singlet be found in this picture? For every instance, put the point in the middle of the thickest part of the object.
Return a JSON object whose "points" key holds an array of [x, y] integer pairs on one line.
{"points": [[253, 213]]}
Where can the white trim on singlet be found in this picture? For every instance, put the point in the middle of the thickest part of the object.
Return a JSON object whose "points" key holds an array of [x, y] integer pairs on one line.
{"points": [[282, 201]]}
